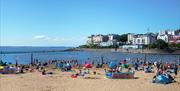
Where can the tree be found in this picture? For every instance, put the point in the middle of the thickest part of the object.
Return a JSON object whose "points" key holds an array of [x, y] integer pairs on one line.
{"points": [[153, 45], [84, 46], [161, 44], [175, 46], [123, 38]]}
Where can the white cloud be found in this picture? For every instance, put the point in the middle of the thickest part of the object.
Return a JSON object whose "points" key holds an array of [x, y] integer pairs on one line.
{"points": [[40, 37], [43, 39]]}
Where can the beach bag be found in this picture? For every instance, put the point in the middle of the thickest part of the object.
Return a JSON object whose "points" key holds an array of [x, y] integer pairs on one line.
{"points": [[108, 74]]}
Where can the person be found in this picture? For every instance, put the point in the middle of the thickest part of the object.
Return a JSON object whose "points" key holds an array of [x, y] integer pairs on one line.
{"points": [[136, 66], [18, 69], [175, 70], [130, 70], [44, 72], [120, 69], [94, 72], [159, 72], [169, 77], [22, 69], [105, 70]]}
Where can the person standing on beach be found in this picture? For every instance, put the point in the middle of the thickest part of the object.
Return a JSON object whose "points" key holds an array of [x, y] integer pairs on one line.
{"points": [[175, 70]]}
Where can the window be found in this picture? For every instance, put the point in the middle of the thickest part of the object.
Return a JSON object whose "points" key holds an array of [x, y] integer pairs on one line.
{"points": [[138, 41], [143, 40]]}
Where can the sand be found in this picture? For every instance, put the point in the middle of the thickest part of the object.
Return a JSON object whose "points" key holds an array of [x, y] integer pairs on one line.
{"points": [[61, 81]]}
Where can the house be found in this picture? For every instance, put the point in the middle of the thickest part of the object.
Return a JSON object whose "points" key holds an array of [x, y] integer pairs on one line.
{"points": [[97, 39], [141, 39], [164, 35], [169, 36], [174, 39]]}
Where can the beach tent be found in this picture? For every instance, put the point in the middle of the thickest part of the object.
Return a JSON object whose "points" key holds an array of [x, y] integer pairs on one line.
{"points": [[162, 79], [112, 65], [88, 65], [68, 66]]}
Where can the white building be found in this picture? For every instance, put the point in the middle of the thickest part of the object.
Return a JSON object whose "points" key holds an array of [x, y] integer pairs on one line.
{"points": [[131, 46], [109, 43], [96, 39], [130, 38], [141, 39], [112, 37], [164, 35]]}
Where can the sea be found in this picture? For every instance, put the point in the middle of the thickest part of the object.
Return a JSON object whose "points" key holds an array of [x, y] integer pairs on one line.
{"points": [[23, 55]]}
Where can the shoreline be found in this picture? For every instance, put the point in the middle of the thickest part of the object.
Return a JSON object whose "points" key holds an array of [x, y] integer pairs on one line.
{"points": [[134, 51]]}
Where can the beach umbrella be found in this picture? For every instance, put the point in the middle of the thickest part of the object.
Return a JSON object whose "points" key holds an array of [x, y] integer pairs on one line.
{"points": [[112, 65], [88, 65], [68, 65]]}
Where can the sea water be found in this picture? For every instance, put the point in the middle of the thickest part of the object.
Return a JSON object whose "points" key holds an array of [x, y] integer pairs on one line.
{"points": [[81, 56]]}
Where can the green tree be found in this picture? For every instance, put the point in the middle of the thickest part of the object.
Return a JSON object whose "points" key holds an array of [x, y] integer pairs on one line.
{"points": [[175, 46], [160, 44], [123, 38]]}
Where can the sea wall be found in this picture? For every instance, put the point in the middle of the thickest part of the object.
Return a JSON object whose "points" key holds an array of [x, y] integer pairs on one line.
{"points": [[154, 51]]}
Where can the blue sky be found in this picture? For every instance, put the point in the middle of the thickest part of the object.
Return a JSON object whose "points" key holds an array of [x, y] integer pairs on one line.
{"points": [[69, 22]]}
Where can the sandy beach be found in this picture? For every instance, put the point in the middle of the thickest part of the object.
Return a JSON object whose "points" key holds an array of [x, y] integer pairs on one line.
{"points": [[61, 81]]}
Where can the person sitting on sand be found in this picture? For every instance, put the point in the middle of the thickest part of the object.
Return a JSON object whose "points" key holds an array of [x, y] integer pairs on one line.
{"points": [[119, 68], [130, 70], [168, 76], [18, 69], [113, 70], [94, 72], [31, 69], [44, 72], [105, 70], [159, 72], [81, 73]]}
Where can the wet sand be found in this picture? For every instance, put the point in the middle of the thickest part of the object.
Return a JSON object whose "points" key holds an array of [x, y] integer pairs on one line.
{"points": [[61, 81]]}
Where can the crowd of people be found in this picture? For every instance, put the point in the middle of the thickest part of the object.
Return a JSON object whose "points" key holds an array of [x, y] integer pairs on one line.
{"points": [[166, 69]]}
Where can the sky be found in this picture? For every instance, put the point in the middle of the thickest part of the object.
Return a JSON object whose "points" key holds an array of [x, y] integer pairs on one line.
{"points": [[70, 22]]}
